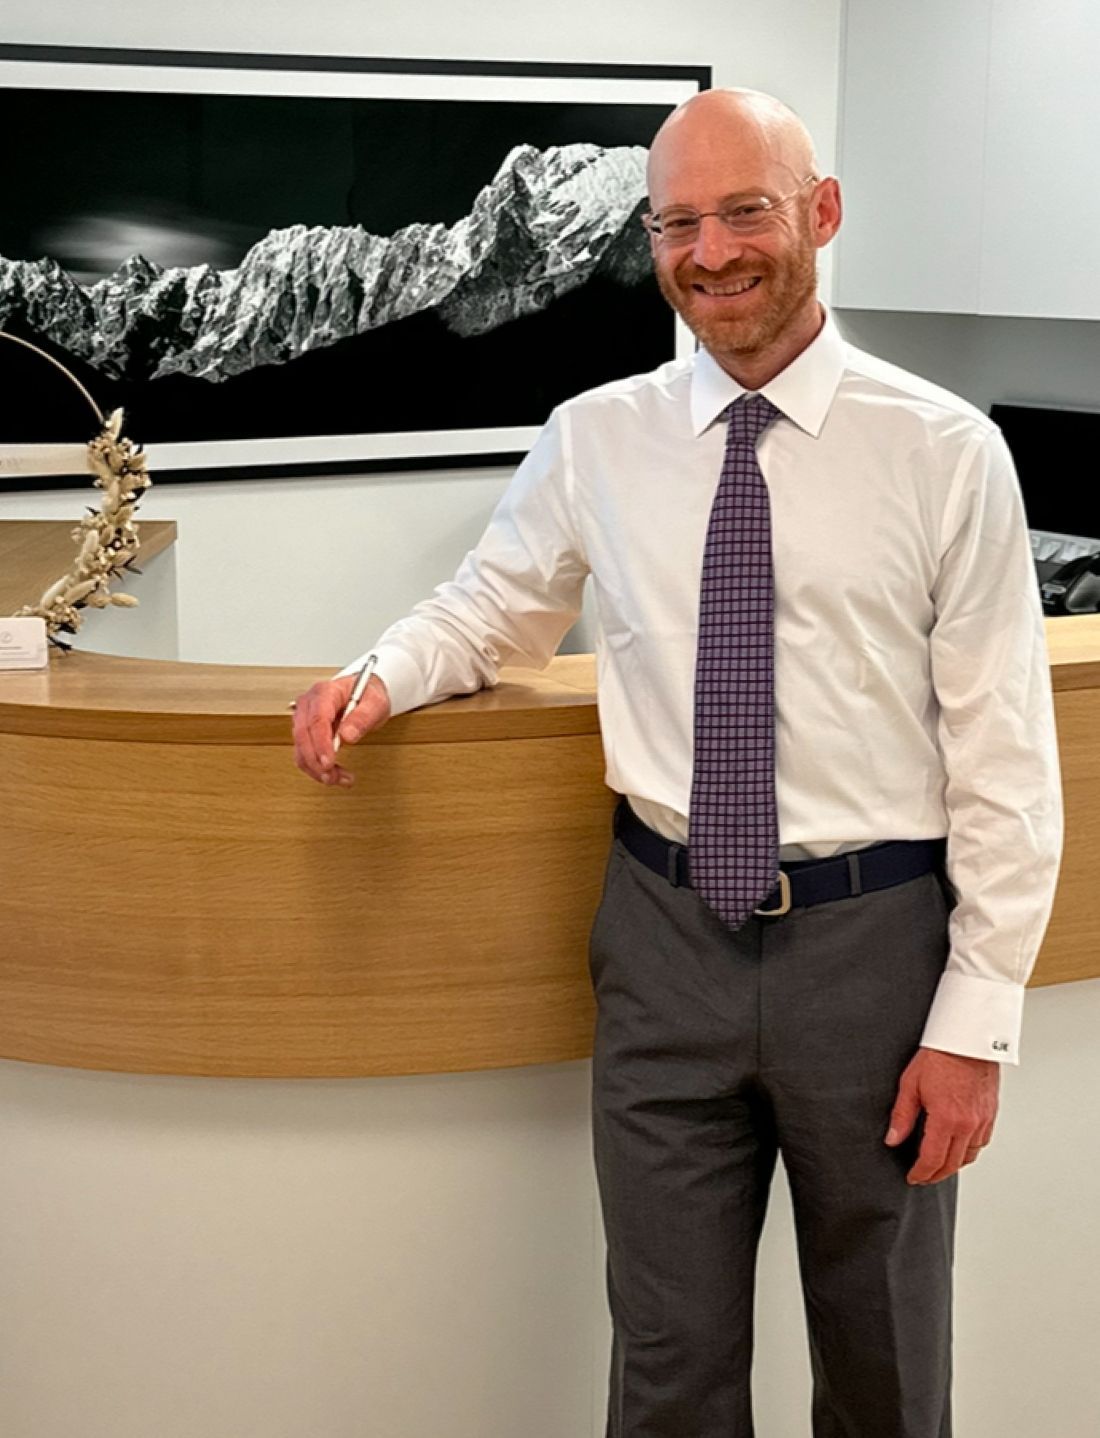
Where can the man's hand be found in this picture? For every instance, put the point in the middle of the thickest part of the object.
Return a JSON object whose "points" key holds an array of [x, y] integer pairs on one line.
{"points": [[959, 1095], [315, 715]]}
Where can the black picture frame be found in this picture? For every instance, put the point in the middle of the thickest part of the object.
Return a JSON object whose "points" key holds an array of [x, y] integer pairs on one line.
{"points": [[196, 156]]}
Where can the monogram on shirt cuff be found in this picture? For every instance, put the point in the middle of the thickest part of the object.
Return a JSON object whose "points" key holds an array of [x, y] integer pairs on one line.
{"points": [[980, 1018]]}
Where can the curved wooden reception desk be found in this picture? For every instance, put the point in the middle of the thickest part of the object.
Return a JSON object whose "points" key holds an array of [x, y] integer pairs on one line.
{"points": [[177, 898]]}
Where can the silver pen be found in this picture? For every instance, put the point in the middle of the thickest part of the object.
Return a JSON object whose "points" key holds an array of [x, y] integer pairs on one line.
{"points": [[357, 693]]}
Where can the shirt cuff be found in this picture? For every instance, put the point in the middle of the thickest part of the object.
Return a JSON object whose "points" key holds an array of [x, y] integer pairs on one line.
{"points": [[398, 672], [979, 1018]]}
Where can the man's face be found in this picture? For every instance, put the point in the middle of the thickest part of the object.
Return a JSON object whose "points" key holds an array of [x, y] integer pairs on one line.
{"points": [[737, 293]]}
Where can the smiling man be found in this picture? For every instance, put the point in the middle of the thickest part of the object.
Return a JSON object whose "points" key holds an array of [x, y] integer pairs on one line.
{"points": [[750, 303], [825, 699]]}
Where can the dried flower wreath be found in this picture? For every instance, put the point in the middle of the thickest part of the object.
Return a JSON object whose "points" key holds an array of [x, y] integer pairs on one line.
{"points": [[106, 538]]}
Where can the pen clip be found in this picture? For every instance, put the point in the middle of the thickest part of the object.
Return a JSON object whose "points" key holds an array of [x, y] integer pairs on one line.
{"points": [[362, 677]]}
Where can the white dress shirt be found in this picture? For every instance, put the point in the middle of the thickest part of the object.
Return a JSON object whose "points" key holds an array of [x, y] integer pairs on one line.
{"points": [[912, 680]]}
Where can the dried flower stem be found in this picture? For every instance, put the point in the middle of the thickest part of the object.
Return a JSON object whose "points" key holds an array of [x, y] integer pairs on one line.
{"points": [[107, 537]]}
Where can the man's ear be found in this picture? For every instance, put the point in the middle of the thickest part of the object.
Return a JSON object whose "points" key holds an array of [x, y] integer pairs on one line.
{"points": [[827, 211]]}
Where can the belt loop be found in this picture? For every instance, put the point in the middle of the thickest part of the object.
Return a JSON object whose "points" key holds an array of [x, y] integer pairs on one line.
{"points": [[673, 874], [854, 875]]}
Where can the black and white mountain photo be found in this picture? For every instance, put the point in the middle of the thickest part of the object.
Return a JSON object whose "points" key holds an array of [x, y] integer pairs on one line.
{"points": [[243, 267]]}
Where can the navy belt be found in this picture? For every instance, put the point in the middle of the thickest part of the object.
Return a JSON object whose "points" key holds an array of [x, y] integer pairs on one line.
{"points": [[801, 881]]}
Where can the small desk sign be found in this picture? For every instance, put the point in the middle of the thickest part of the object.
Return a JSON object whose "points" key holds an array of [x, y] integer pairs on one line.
{"points": [[23, 643]]}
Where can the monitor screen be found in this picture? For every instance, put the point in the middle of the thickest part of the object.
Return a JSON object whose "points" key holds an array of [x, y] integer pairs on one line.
{"points": [[1050, 448]]}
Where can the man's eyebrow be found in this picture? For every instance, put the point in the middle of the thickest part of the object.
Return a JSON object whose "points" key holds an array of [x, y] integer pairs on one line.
{"points": [[760, 193], [732, 198]]}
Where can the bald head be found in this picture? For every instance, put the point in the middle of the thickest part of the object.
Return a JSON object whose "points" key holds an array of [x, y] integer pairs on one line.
{"points": [[738, 213], [743, 131]]}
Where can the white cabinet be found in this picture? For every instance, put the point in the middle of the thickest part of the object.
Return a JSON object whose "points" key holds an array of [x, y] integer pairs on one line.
{"points": [[969, 156], [1041, 228], [910, 155]]}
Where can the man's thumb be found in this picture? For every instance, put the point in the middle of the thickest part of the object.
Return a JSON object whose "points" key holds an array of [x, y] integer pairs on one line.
{"points": [[371, 712], [904, 1115]]}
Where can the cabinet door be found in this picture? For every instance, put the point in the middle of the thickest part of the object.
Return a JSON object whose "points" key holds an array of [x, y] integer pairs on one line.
{"points": [[910, 154], [1041, 231]]}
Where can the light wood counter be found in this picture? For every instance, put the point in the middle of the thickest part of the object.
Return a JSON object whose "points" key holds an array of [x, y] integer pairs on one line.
{"points": [[35, 552], [1071, 949], [177, 898], [183, 900]]}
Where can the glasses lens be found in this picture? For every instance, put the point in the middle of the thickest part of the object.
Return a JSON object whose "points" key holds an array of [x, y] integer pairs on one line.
{"points": [[680, 225], [677, 227], [747, 216]]}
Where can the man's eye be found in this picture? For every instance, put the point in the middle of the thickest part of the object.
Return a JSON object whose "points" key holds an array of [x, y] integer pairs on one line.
{"points": [[678, 224], [747, 211]]}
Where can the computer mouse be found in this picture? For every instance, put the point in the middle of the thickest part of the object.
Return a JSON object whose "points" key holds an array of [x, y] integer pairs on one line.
{"points": [[1083, 593], [1075, 588]]}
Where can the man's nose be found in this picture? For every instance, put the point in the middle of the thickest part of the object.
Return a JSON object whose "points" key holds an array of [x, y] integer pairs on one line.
{"points": [[716, 244]]}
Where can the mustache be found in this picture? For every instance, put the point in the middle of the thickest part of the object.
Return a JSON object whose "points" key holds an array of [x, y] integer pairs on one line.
{"points": [[690, 274]]}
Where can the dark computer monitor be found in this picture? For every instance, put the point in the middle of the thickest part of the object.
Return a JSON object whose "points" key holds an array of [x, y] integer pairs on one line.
{"points": [[1055, 455]]}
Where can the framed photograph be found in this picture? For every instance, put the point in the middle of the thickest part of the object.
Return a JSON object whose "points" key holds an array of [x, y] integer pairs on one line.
{"points": [[300, 265]]}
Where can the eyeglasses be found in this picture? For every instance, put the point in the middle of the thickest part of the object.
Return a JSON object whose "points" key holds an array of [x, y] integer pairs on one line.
{"points": [[748, 215]]}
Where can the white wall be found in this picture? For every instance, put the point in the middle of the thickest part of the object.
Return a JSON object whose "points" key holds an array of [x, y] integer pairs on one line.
{"points": [[327, 1258], [988, 359]]}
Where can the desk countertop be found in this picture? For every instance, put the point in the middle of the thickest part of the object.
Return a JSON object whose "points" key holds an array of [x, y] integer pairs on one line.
{"points": [[434, 917], [99, 696]]}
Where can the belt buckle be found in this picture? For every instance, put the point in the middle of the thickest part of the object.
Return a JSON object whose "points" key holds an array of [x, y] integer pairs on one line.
{"points": [[784, 899]]}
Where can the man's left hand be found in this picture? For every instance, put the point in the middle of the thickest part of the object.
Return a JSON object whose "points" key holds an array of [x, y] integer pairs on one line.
{"points": [[959, 1096]]}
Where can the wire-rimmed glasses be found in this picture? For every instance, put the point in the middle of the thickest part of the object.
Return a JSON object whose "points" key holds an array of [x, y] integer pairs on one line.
{"points": [[743, 214]]}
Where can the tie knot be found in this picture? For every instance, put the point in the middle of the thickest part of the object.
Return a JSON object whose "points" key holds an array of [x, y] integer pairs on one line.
{"points": [[749, 416]]}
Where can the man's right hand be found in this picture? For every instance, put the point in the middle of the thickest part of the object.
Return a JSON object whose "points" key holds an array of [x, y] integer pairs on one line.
{"points": [[315, 715]]}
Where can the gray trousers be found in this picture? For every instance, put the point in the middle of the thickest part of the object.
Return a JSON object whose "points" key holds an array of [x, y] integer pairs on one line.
{"points": [[715, 1051]]}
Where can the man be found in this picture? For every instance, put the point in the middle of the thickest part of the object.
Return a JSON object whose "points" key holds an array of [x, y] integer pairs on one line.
{"points": [[820, 645]]}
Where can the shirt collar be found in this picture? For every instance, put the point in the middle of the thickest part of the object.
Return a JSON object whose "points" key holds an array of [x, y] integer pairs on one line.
{"points": [[803, 391]]}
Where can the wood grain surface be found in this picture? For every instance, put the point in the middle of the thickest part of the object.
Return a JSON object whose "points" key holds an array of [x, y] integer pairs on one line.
{"points": [[204, 909], [177, 898], [36, 552], [99, 696], [1071, 948]]}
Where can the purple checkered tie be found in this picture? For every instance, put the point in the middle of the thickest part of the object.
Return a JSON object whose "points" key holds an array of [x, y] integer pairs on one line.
{"points": [[733, 832]]}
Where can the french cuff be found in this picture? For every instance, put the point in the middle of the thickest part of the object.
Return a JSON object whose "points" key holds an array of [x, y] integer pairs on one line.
{"points": [[398, 672], [980, 1018]]}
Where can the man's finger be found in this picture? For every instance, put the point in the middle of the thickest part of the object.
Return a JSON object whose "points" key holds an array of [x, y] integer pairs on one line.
{"points": [[305, 745], [304, 754], [331, 773], [313, 723], [321, 716], [307, 760], [905, 1112], [956, 1157], [367, 714], [322, 719], [934, 1149]]}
